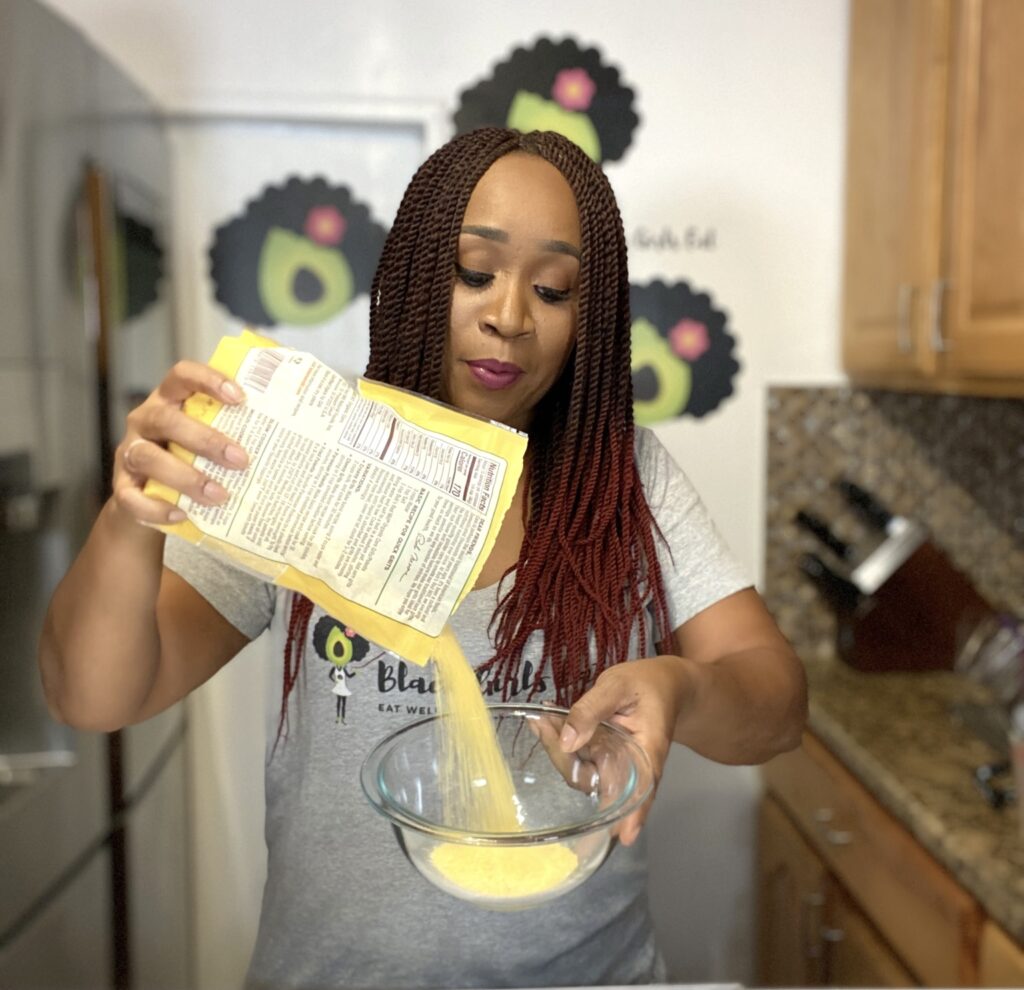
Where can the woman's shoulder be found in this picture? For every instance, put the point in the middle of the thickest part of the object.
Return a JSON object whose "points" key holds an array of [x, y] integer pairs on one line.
{"points": [[697, 566], [656, 467], [645, 441], [648, 446]]}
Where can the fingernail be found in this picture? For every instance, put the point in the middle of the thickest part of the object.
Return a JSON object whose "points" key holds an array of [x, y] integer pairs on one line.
{"points": [[234, 454], [231, 392], [214, 492], [175, 516], [568, 738]]}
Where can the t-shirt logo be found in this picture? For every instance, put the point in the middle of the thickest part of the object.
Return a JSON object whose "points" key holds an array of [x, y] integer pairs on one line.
{"points": [[403, 688], [340, 646]]}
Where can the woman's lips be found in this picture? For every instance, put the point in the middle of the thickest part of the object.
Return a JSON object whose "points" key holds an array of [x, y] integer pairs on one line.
{"points": [[494, 374]]}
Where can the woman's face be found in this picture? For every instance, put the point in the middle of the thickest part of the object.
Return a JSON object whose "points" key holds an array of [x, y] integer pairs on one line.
{"points": [[515, 296]]}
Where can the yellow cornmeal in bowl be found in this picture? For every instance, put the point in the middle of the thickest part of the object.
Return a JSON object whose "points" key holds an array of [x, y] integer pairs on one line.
{"points": [[504, 871], [478, 793]]}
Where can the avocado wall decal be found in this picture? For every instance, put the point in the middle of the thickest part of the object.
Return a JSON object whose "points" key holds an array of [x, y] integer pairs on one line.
{"points": [[298, 254], [682, 357], [555, 86]]}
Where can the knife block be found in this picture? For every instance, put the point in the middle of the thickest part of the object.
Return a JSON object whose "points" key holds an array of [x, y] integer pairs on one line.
{"points": [[916, 620]]}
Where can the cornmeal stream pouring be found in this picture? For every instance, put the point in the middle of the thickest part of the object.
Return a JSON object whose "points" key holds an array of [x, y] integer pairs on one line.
{"points": [[479, 795]]}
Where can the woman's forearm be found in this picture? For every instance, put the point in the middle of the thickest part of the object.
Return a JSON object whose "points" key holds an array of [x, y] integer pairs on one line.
{"points": [[745, 707], [100, 646]]}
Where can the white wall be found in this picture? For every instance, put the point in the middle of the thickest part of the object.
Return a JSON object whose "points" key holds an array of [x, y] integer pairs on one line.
{"points": [[742, 122], [742, 119]]}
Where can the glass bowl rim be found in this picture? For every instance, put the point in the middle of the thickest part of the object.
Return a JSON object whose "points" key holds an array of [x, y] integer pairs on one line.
{"points": [[625, 804]]}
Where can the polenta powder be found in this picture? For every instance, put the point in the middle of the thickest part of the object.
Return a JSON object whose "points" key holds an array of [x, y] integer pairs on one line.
{"points": [[478, 793]]}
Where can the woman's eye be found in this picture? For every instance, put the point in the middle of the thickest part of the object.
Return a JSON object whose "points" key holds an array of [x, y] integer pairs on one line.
{"points": [[553, 295], [474, 279]]}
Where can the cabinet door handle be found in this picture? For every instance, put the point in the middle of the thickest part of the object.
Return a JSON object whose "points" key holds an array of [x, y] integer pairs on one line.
{"points": [[811, 905], [904, 305], [823, 817], [936, 335], [832, 934], [838, 837]]}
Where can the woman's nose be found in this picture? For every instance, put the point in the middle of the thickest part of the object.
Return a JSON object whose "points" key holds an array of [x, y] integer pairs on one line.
{"points": [[510, 315]]}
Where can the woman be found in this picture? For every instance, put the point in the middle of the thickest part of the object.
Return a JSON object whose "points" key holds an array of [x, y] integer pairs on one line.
{"points": [[502, 289]]}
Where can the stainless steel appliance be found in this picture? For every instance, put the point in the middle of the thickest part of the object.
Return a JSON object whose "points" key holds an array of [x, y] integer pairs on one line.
{"points": [[93, 838]]}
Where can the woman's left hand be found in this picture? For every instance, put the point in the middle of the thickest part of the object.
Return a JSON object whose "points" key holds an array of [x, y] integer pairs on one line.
{"points": [[643, 697]]}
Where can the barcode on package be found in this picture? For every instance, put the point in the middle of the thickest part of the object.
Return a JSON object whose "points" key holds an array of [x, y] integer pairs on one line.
{"points": [[262, 369]]}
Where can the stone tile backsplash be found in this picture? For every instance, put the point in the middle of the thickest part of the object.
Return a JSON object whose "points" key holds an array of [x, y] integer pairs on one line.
{"points": [[954, 463]]}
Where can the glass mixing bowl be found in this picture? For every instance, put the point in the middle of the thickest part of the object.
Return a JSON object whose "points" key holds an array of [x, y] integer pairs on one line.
{"points": [[567, 803]]}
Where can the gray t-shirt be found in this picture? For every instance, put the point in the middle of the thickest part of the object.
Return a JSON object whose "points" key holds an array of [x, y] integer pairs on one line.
{"points": [[342, 907]]}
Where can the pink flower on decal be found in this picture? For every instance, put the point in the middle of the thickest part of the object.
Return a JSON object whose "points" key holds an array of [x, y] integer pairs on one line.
{"points": [[325, 225], [350, 632], [689, 339], [574, 89]]}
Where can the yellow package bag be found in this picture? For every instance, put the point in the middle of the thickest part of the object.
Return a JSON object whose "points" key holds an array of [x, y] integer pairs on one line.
{"points": [[377, 504]]}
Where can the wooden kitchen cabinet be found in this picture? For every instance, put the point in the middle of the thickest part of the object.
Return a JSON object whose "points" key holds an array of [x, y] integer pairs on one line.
{"points": [[810, 933], [879, 911], [934, 242], [791, 896], [1002, 960], [856, 955]]}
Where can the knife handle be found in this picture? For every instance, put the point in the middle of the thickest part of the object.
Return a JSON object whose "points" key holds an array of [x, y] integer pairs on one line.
{"points": [[813, 524], [841, 594], [873, 510]]}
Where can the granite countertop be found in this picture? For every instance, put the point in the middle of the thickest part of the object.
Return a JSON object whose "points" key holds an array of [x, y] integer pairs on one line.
{"points": [[895, 733]]}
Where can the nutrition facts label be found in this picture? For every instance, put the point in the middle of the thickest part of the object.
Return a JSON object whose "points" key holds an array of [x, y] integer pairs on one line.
{"points": [[386, 511]]}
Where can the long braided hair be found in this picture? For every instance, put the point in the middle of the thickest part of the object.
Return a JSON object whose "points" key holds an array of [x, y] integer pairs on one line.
{"points": [[587, 571]]}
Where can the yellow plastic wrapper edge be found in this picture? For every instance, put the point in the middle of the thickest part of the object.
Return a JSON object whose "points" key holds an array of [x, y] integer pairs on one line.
{"points": [[393, 635]]}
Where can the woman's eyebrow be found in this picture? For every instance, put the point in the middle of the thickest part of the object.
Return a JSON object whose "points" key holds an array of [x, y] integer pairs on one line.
{"points": [[494, 234], [561, 247], [490, 233]]}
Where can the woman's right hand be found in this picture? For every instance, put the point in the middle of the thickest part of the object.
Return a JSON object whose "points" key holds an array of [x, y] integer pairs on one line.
{"points": [[142, 453]]}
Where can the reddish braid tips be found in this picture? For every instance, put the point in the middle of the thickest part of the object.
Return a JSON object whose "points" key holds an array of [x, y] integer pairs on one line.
{"points": [[588, 569], [299, 614]]}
